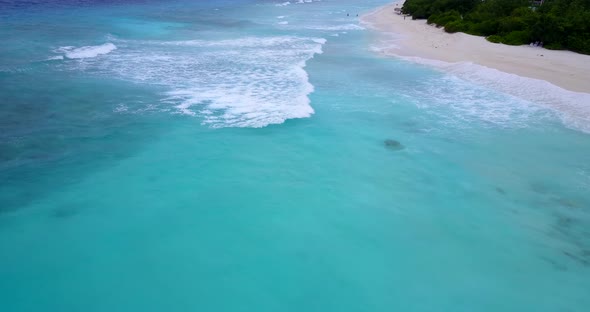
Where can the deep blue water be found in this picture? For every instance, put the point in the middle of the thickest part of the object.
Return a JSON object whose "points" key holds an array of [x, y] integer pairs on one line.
{"points": [[230, 156]]}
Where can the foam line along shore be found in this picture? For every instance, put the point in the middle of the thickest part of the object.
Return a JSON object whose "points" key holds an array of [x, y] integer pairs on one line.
{"points": [[555, 80], [415, 38]]}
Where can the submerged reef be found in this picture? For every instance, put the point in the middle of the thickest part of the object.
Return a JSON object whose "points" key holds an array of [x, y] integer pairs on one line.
{"points": [[393, 145]]}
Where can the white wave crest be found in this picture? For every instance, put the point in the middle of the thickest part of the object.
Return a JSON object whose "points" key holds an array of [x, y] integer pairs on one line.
{"points": [[296, 2], [86, 51], [243, 105], [242, 82], [335, 27], [244, 42], [270, 87]]}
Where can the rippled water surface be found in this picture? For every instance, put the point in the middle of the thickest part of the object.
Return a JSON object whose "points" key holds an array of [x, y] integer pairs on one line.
{"points": [[262, 156]]}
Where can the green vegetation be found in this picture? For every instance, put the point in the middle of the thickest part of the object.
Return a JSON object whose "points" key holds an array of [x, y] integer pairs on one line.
{"points": [[559, 24]]}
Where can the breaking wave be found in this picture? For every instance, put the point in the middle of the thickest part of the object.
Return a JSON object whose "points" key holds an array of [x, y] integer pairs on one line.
{"points": [[85, 52], [241, 82]]}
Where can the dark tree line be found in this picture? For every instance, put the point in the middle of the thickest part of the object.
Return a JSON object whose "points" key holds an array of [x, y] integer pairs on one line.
{"points": [[559, 24]]}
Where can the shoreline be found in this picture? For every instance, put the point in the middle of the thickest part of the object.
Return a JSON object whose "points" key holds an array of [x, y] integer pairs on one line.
{"points": [[415, 38]]}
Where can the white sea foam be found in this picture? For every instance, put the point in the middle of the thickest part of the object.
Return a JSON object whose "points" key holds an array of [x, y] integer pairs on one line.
{"points": [[335, 27], [121, 108], [242, 82], [244, 42], [533, 94], [268, 87], [296, 2], [459, 103], [283, 23], [387, 43], [86, 51], [571, 107]]}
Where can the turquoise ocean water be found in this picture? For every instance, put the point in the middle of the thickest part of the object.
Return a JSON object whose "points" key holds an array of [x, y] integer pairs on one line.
{"points": [[229, 156]]}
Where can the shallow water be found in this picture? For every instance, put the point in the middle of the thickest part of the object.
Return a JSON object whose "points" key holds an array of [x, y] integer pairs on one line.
{"points": [[232, 156]]}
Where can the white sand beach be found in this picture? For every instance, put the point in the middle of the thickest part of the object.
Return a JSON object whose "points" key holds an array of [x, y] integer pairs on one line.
{"points": [[415, 38]]}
